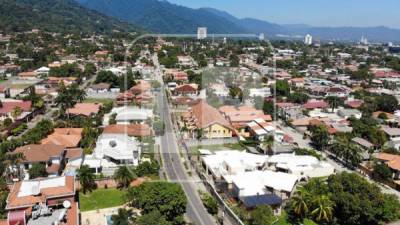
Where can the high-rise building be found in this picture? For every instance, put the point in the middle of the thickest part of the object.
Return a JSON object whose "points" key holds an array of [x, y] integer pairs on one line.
{"points": [[308, 39], [201, 33], [261, 37], [364, 41]]}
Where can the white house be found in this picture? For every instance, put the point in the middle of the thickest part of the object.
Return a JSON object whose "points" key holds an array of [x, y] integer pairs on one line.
{"points": [[113, 150], [260, 92], [43, 70], [129, 115], [223, 163], [303, 166], [263, 182]]}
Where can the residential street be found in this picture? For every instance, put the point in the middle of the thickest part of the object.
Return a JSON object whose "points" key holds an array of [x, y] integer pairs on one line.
{"points": [[173, 166]]}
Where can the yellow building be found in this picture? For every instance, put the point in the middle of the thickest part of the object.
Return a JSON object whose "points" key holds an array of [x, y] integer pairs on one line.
{"points": [[205, 121]]}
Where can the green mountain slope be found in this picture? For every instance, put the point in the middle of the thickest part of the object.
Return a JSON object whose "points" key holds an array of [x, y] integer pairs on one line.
{"points": [[55, 15], [163, 17]]}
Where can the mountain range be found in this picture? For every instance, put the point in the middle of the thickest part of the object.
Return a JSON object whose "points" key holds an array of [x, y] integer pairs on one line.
{"points": [[56, 15], [160, 16]]}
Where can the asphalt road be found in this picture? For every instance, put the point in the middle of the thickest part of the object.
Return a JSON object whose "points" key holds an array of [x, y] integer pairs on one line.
{"points": [[176, 172], [173, 165]]}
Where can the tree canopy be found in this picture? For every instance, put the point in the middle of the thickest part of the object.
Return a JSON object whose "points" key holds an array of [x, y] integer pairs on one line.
{"points": [[167, 198], [345, 198]]}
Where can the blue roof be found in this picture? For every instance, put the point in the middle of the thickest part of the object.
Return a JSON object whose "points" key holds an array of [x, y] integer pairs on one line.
{"points": [[255, 200]]}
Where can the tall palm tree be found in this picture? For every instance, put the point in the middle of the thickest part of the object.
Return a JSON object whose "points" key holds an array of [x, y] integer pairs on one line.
{"points": [[352, 155], [267, 144], [16, 112], [333, 101], [324, 208], [123, 217], [124, 176], [10, 161], [300, 202], [86, 179]]}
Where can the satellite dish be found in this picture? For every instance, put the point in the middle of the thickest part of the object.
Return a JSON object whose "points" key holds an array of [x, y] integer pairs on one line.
{"points": [[113, 143], [67, 204]]}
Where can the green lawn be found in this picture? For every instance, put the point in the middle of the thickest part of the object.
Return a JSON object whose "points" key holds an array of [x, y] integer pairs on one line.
{"points": [[101, 198], [213, 148], [97, 100]]}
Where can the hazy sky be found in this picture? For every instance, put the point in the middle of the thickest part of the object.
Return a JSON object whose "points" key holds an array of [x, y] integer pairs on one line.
{"points": [[312, 12]]}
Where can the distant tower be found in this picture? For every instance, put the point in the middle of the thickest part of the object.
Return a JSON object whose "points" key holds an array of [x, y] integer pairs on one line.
{"points": [[364, 41], [201, 33], [308, 39], [225, 41], [261, 37]]}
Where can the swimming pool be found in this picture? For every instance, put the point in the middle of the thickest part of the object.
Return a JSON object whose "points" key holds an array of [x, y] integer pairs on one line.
{"points": [[109, 220]]}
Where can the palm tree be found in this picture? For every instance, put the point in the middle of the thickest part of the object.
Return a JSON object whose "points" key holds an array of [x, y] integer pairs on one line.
{"points": [[324, 208], [333, 101], [300, 201], [124, 217], [13, 160], [16, 112], [86, 179], [352, 155], [124, 176], [78, 94], [267, 144]]}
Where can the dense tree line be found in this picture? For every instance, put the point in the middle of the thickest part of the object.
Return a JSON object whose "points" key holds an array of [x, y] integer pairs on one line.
{"points": [[344, 198], [166, 200]]}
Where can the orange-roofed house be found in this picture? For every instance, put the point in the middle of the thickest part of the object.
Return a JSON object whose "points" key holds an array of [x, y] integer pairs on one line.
{"points": [[68, 137], [84, 109], [186, 90], [125, 98], [392, 161], [43, 201], [29, 75], [50, 155], [378, 114], [238, 117], [208, 119], [141, 87], [134, 130], [7, 108], [176, 75], [103, 53]]}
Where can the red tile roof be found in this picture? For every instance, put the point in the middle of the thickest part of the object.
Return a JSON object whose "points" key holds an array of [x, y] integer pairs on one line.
{"points": [[85, 109], [8, 107], [185, 88], [393, 161], [354, 103], [137, 130], [315, 105], [14, 201], [68, 137], [141, 87], [40, 153], [206, 115]]}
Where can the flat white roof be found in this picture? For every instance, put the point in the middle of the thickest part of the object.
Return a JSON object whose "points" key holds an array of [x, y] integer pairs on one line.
{"points": [[33, 187], [116, 146], [255, 182], [239, 160]]}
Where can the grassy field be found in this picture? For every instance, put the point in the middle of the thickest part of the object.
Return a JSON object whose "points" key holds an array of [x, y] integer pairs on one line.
{"points": [[213, 148], [101, 198], [97, 100]]}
